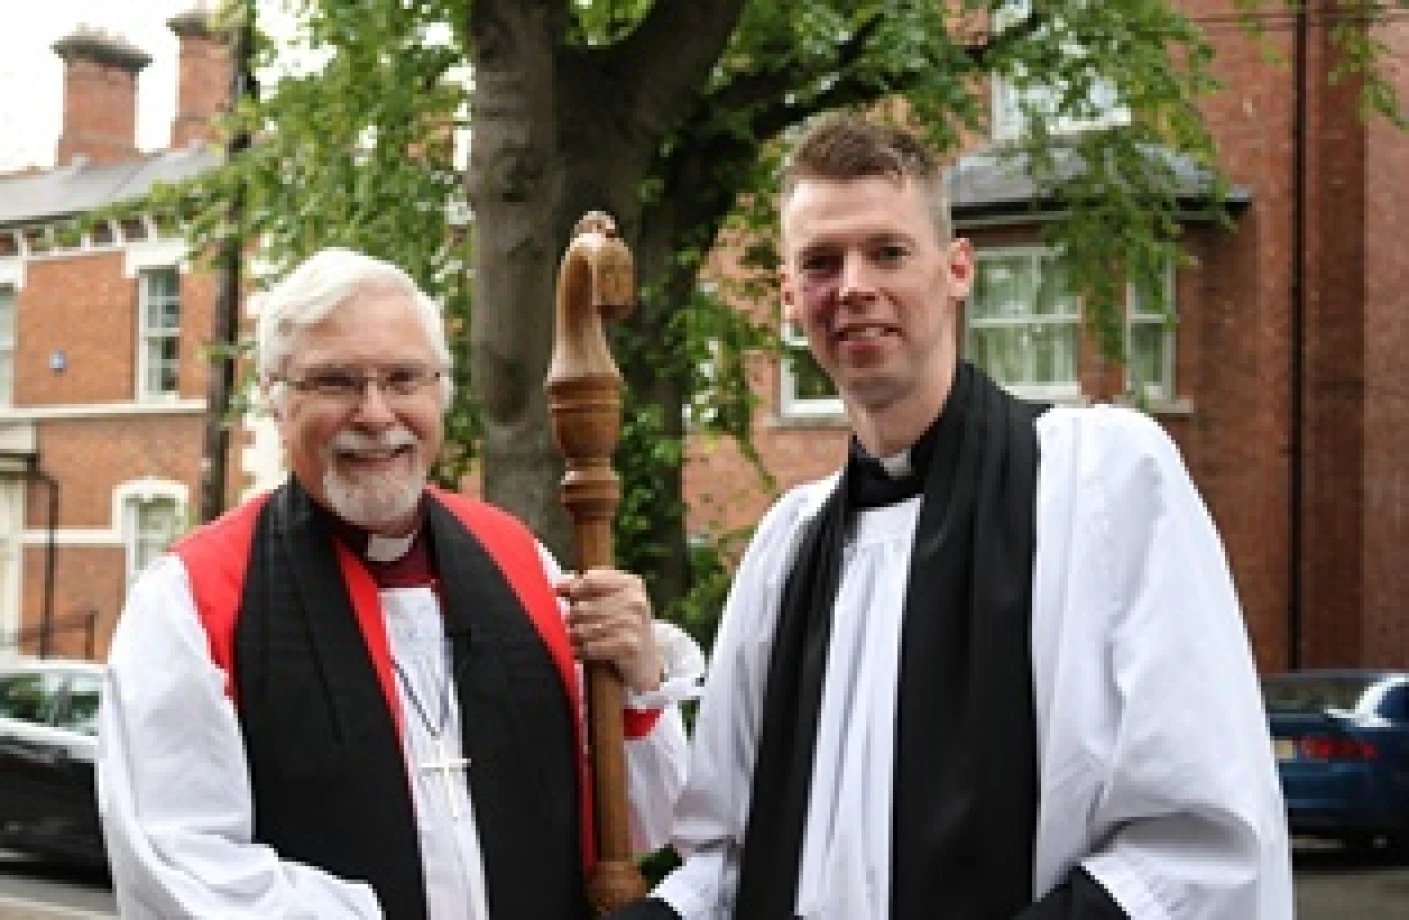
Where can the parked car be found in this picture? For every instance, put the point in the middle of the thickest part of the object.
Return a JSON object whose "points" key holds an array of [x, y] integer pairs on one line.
{"points": [[48, 740], [1342, 745]]}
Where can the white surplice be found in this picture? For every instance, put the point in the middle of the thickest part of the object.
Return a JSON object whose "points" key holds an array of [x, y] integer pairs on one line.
{"points": [[1155, 767], [173, 781]]}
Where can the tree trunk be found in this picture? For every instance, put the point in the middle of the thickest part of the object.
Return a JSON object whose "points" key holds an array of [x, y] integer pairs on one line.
{"points": [[514, 190], [559, 131]]}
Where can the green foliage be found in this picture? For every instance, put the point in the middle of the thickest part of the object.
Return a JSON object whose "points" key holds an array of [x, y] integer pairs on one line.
{"points": [[354, 152]]}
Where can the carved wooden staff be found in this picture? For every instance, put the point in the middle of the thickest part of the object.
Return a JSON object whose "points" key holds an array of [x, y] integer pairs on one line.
{"points": [[595, 281]]}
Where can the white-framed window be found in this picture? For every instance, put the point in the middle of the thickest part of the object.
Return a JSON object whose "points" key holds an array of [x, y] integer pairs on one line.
{"points": [[8, 300], [1149, 344], [1023, 322], [159, 332], [1023, 327], [1015, 100], [150, 523], [805, 389]]}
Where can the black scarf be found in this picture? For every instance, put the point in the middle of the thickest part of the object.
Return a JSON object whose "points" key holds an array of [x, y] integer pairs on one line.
{"points": [[965, 806], [327, 770]]}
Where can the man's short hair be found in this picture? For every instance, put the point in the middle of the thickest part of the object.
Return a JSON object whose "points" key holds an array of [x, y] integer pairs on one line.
{"points": [[322, 284], [844, 147]]}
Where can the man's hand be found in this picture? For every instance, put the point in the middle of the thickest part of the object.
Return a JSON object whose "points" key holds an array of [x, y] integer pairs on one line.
{"points": [[609, 619]]}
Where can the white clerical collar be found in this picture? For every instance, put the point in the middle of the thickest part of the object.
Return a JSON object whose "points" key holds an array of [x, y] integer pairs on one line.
{"points": [[897, 465], [388, 549]]}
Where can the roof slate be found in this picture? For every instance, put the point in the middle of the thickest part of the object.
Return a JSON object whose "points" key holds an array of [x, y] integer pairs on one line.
{"points": [[28, 198]]}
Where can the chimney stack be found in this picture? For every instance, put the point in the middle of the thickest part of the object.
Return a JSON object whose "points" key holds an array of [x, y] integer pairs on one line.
{"points": [[203, 83], [100, 96]]}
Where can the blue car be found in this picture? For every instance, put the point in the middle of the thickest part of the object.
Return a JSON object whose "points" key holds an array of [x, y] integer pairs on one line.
{"points": [[1342, 745]]}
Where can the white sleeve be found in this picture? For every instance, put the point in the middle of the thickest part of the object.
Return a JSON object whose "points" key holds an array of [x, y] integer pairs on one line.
{"points": [[173, 783], [655, 762], [1188, 820], [712, 814]]}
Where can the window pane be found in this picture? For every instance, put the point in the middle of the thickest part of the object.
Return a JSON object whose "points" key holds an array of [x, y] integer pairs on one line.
{"points": [[809, 380], [999, 352], [1002, 287], [1054, 295], [162, 365], [1147, 355], [155, 524], [1053, 354], [7, 317], [1023, 320]]}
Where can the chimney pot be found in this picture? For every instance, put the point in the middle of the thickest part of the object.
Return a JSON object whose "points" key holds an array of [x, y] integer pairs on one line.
{"points": [[100, 96], [203, 80]]}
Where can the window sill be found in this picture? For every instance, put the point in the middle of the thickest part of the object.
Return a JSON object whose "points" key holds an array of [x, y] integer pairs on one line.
{"points": [[797, 420], [1178, 407]]}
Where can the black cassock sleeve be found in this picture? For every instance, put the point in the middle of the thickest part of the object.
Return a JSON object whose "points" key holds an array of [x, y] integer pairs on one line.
{"points": [[645, 909], [1080, 897]]}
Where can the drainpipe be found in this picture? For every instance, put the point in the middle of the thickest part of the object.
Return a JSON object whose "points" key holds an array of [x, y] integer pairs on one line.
{"points": [[215, 452], [46, 622], [1296, 473]]}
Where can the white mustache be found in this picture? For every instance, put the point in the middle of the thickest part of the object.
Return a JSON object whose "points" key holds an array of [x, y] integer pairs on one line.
{"points": [[353, 441]]}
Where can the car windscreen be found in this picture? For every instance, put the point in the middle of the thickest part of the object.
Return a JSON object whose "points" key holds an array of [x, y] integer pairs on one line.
{"points": [[1315, 694]]}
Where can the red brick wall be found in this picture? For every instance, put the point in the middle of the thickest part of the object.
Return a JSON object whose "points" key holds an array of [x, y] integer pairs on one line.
{"points": [[85, 307], [100, 113], [203, 85], [1385, 520]]}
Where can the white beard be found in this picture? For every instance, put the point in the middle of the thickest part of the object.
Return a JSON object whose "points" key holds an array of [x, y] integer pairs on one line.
{"points": [[373, 501]]}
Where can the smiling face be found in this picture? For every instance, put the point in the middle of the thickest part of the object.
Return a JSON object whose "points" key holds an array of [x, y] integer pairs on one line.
{"points": [[875, 288], [365, 458]]}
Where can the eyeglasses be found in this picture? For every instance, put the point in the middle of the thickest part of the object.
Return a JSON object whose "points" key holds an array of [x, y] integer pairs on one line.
{"points": [[348, 384]]}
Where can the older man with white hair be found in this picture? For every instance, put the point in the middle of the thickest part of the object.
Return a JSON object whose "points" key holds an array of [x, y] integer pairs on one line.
{"points": [[357, 696]]}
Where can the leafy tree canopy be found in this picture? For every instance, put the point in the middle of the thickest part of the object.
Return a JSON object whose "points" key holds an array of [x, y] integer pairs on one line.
{"points": [[670, 114]]}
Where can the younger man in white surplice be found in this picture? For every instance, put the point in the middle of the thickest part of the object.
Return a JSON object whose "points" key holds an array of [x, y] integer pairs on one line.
{"points": [[995, 668]]}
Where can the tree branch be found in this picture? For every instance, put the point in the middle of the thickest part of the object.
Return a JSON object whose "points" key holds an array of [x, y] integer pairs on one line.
{"points": [[768, 86], [1025, 28], [670, 54]]}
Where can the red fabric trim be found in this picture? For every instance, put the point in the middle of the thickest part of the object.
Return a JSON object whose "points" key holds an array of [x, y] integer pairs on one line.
{"points": [[638, 723], [216, 557], [513, 548], [371, 620]]}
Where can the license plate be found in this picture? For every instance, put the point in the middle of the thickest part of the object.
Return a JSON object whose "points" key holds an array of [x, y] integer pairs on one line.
{"points": [[1285, 748]]}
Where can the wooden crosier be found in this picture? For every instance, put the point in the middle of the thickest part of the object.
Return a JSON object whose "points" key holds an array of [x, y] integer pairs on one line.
{"points": [[595, 281]]}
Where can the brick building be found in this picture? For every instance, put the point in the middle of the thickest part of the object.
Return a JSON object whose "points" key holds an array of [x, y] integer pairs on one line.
{"points": [[1278, 379], [1281, 379], [102, 375]]}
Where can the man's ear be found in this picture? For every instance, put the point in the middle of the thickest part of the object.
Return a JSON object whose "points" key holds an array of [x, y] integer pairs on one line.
{"points": [[961, 268]]}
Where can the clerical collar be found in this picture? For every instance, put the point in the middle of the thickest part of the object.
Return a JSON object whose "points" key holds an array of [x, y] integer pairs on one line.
{"points": [[877, 481], [394, 562], [389, 549]]}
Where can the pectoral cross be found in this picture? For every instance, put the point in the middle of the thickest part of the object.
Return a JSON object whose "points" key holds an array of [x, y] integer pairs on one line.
{"points": [[444, 764]]}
